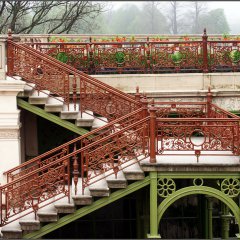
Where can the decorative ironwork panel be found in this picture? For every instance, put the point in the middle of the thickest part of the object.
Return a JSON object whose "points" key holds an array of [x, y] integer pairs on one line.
{"points": [[76, 55], [180, 110], [224, 55], [172, 56], [104, 102], [115, 151], [193, 135], [119, 58], [29, 193], [44, 74]]}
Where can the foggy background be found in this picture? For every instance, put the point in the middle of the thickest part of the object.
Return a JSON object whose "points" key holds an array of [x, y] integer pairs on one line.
{"points": [[106, 17]]}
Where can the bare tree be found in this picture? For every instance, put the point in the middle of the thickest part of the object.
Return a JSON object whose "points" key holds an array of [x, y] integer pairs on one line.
{"points": [[173, 17], [198, 9], [50, 16]]}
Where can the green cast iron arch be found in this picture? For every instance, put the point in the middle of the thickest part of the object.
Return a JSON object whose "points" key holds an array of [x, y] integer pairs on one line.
{"points": [[199, 190]]}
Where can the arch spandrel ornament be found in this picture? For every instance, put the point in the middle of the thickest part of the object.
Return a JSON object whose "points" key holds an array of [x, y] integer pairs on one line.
{"points": [[194, 190]]}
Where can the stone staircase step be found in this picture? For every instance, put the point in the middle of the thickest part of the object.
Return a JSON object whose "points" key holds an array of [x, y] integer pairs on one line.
{"points": [[39, 98], [86, 120], [132, 170], [28, 90], [29, 225], [12, 231], [69, 112], [48, 214], [79, 198], [54, 104], [98, 186], [99, 122], [116, 181]]}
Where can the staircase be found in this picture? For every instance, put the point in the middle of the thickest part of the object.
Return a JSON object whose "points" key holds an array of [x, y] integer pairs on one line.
{"points": [[79, 172], [56, 105]]}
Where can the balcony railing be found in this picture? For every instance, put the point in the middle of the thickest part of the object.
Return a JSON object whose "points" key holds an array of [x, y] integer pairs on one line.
{"points": [[149, 56]]}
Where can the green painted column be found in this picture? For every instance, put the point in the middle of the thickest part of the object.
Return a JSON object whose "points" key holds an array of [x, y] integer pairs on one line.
{"points": [[210, 208], [225, 217], [153, 207], [205, 217]]}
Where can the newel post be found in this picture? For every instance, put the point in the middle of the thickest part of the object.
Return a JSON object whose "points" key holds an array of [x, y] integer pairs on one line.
{"points": [[137, 94], [152, 111], [205, 51], [209, 102], [10, 54]]}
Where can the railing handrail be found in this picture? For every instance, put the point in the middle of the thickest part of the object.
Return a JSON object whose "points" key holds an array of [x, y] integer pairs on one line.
{"points": [[87, 135], [117, 43], [21, 178], [226, 112], [198, 119], [74, 71]]}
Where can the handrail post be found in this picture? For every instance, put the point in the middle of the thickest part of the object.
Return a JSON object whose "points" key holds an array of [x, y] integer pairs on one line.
{"points": [[152, 111], [148, 56], [10, 54], [209, 102], [137, 94], [205, 50], [144, 115]]}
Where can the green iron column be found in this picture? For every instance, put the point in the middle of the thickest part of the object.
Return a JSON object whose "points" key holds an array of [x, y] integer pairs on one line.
{"points": [[210, 208], [225, 217], [205, 217], [153, 207]]}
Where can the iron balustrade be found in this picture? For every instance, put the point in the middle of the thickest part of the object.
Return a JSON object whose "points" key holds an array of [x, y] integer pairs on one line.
{"points": [[201, 55], [136, 131]]}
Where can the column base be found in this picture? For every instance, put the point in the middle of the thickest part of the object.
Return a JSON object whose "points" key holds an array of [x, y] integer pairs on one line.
{"points": [[238, 235], [153, 236]]}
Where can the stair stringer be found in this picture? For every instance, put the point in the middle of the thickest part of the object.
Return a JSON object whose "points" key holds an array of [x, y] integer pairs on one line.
{"points": [[88, 209], [51, 117]]}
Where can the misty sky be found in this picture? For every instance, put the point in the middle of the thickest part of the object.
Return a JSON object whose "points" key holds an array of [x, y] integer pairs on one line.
{"points": [[231, 10]]}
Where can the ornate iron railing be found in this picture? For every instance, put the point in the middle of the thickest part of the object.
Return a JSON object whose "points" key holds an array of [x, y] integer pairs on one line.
{"points": [[149, 56], [135, 134], [87, 93], [34, 190], [197, 135], [80, 142]]}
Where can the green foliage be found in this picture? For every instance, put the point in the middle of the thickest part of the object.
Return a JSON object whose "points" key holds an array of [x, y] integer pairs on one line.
{"points": [[120, 57], [235, 56], [62, 57], [177, 57]]}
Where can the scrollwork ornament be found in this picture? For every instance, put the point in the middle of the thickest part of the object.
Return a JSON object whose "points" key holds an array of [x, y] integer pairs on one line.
{"points": [[165, 187], [231, 187], [197, 182]]}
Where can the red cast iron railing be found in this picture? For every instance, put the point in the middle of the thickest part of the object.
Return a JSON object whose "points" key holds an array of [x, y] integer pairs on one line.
{"points": [[133, 136], [147, 56], [35, 190], [75, 87], [197, 135], [34, 184]]}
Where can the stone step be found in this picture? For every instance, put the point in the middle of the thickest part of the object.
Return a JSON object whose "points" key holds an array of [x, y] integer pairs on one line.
{"points": [[132, 170], [48, 214], [69, 112], [99, 122], [80, 198], [39, 98], [64, 206], [117, 180], [54, 104], [12, 231], [86, 120], [98, 185], [29, 225], [28, 90]]}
